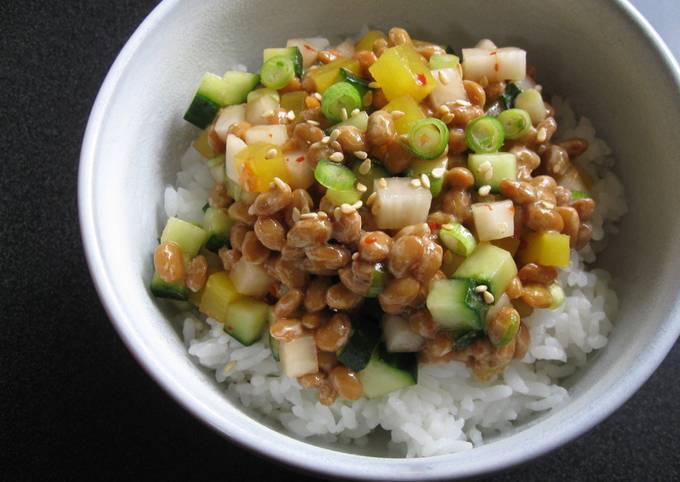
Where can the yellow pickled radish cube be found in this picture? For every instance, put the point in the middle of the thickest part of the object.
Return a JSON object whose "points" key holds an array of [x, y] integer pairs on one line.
{"points": [[261, 164], [547, 249], [326, 75], [410, 108], [203, 146], [294, 101], [366, 42], [219, 292], [401, 71]]}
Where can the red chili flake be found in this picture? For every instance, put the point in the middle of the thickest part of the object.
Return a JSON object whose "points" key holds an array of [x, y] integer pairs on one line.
{"points": [[493, 52], [300, 159], [496, 67], [433, 226], [370, 240], [421, 79], [308, 48]]}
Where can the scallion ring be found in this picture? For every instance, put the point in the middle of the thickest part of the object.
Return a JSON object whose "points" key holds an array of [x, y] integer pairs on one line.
{"points": [[516, 123], [428, 138], [277, 72], [340, 97], [484, 135]]}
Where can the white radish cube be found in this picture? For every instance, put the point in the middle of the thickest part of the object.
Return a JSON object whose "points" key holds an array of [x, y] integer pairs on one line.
{"points": [[276, 134], [508, 63], [486, 44], [398, 335], [250, 279], [298, 357], [346, 48], [300, 170], [449, 87], [399, 203], [494, 220], [234, 145], [259, 104], [229, 116]]}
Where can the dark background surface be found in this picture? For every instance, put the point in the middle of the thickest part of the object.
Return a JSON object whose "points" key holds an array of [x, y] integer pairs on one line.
{"points": [[74, 403]]}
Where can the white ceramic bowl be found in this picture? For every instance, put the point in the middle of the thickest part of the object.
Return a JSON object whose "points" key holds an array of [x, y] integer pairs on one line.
{"points": [[601, 54]]}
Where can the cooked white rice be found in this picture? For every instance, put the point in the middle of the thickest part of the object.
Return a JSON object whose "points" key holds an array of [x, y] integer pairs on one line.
{"points": [[448, 410]]}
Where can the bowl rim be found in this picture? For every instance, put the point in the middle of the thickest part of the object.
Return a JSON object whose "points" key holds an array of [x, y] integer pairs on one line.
{"points": [[293, 452]]}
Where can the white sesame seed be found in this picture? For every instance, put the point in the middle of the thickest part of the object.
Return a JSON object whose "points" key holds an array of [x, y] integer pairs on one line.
{"points": [[315, 145], [336, 157], [425, 181], [354, 112], [295, 214], [444, 109], [322, 215], [374, 85], [365, 166], [309, 216], [396, 114], [268, 113], [281, 185], [355, 255], [361, 187], [335, 133], [541, 135], [443, 78], [403, 137], [438, 172], [371, 198], [290, 115], [325, 140], [357, 205], [343, 114], [538, 87], [336, 145], [484, 190], [270, 153], [488, 298], [447, 226], [462, 102], [313, 67], [313, 122], [346, 208], [360, 155], [382, 182], [481, 288], [317, 96], [415, 182], [336, 212]]}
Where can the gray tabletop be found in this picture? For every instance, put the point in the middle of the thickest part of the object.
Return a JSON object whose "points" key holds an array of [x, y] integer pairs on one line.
{"points": [[74, 403]]}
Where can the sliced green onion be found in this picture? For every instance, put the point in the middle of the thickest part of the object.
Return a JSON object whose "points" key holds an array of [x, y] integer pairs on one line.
{"points": [[579, 195], [428, 138], [377, 281], [444, 61], [516, 123], [360, 121], [277, 72], [510, 330], [338, 197], [339, 101], [458, 239], [449, 50], [508, 97], [360, 84], [557, 294], [205, 207], [332, 175], [484, 134]]}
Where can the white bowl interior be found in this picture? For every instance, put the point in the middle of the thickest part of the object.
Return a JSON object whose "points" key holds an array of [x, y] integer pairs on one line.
{"points": [[591, 51]]}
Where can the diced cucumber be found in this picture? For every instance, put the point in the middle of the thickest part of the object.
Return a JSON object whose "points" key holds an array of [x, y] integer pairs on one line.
{"points": [[360, 121], [163, 289], [422, 166], [238, 86], [218, 224], [214, 92], [491, 169], [274, 344], [489, 265], [338, 197], [454, 305], [362, 342], [387, 372], [375, 172], [218, 294], [246, 318], [298, 357], [293, 53], [188, 237]]}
